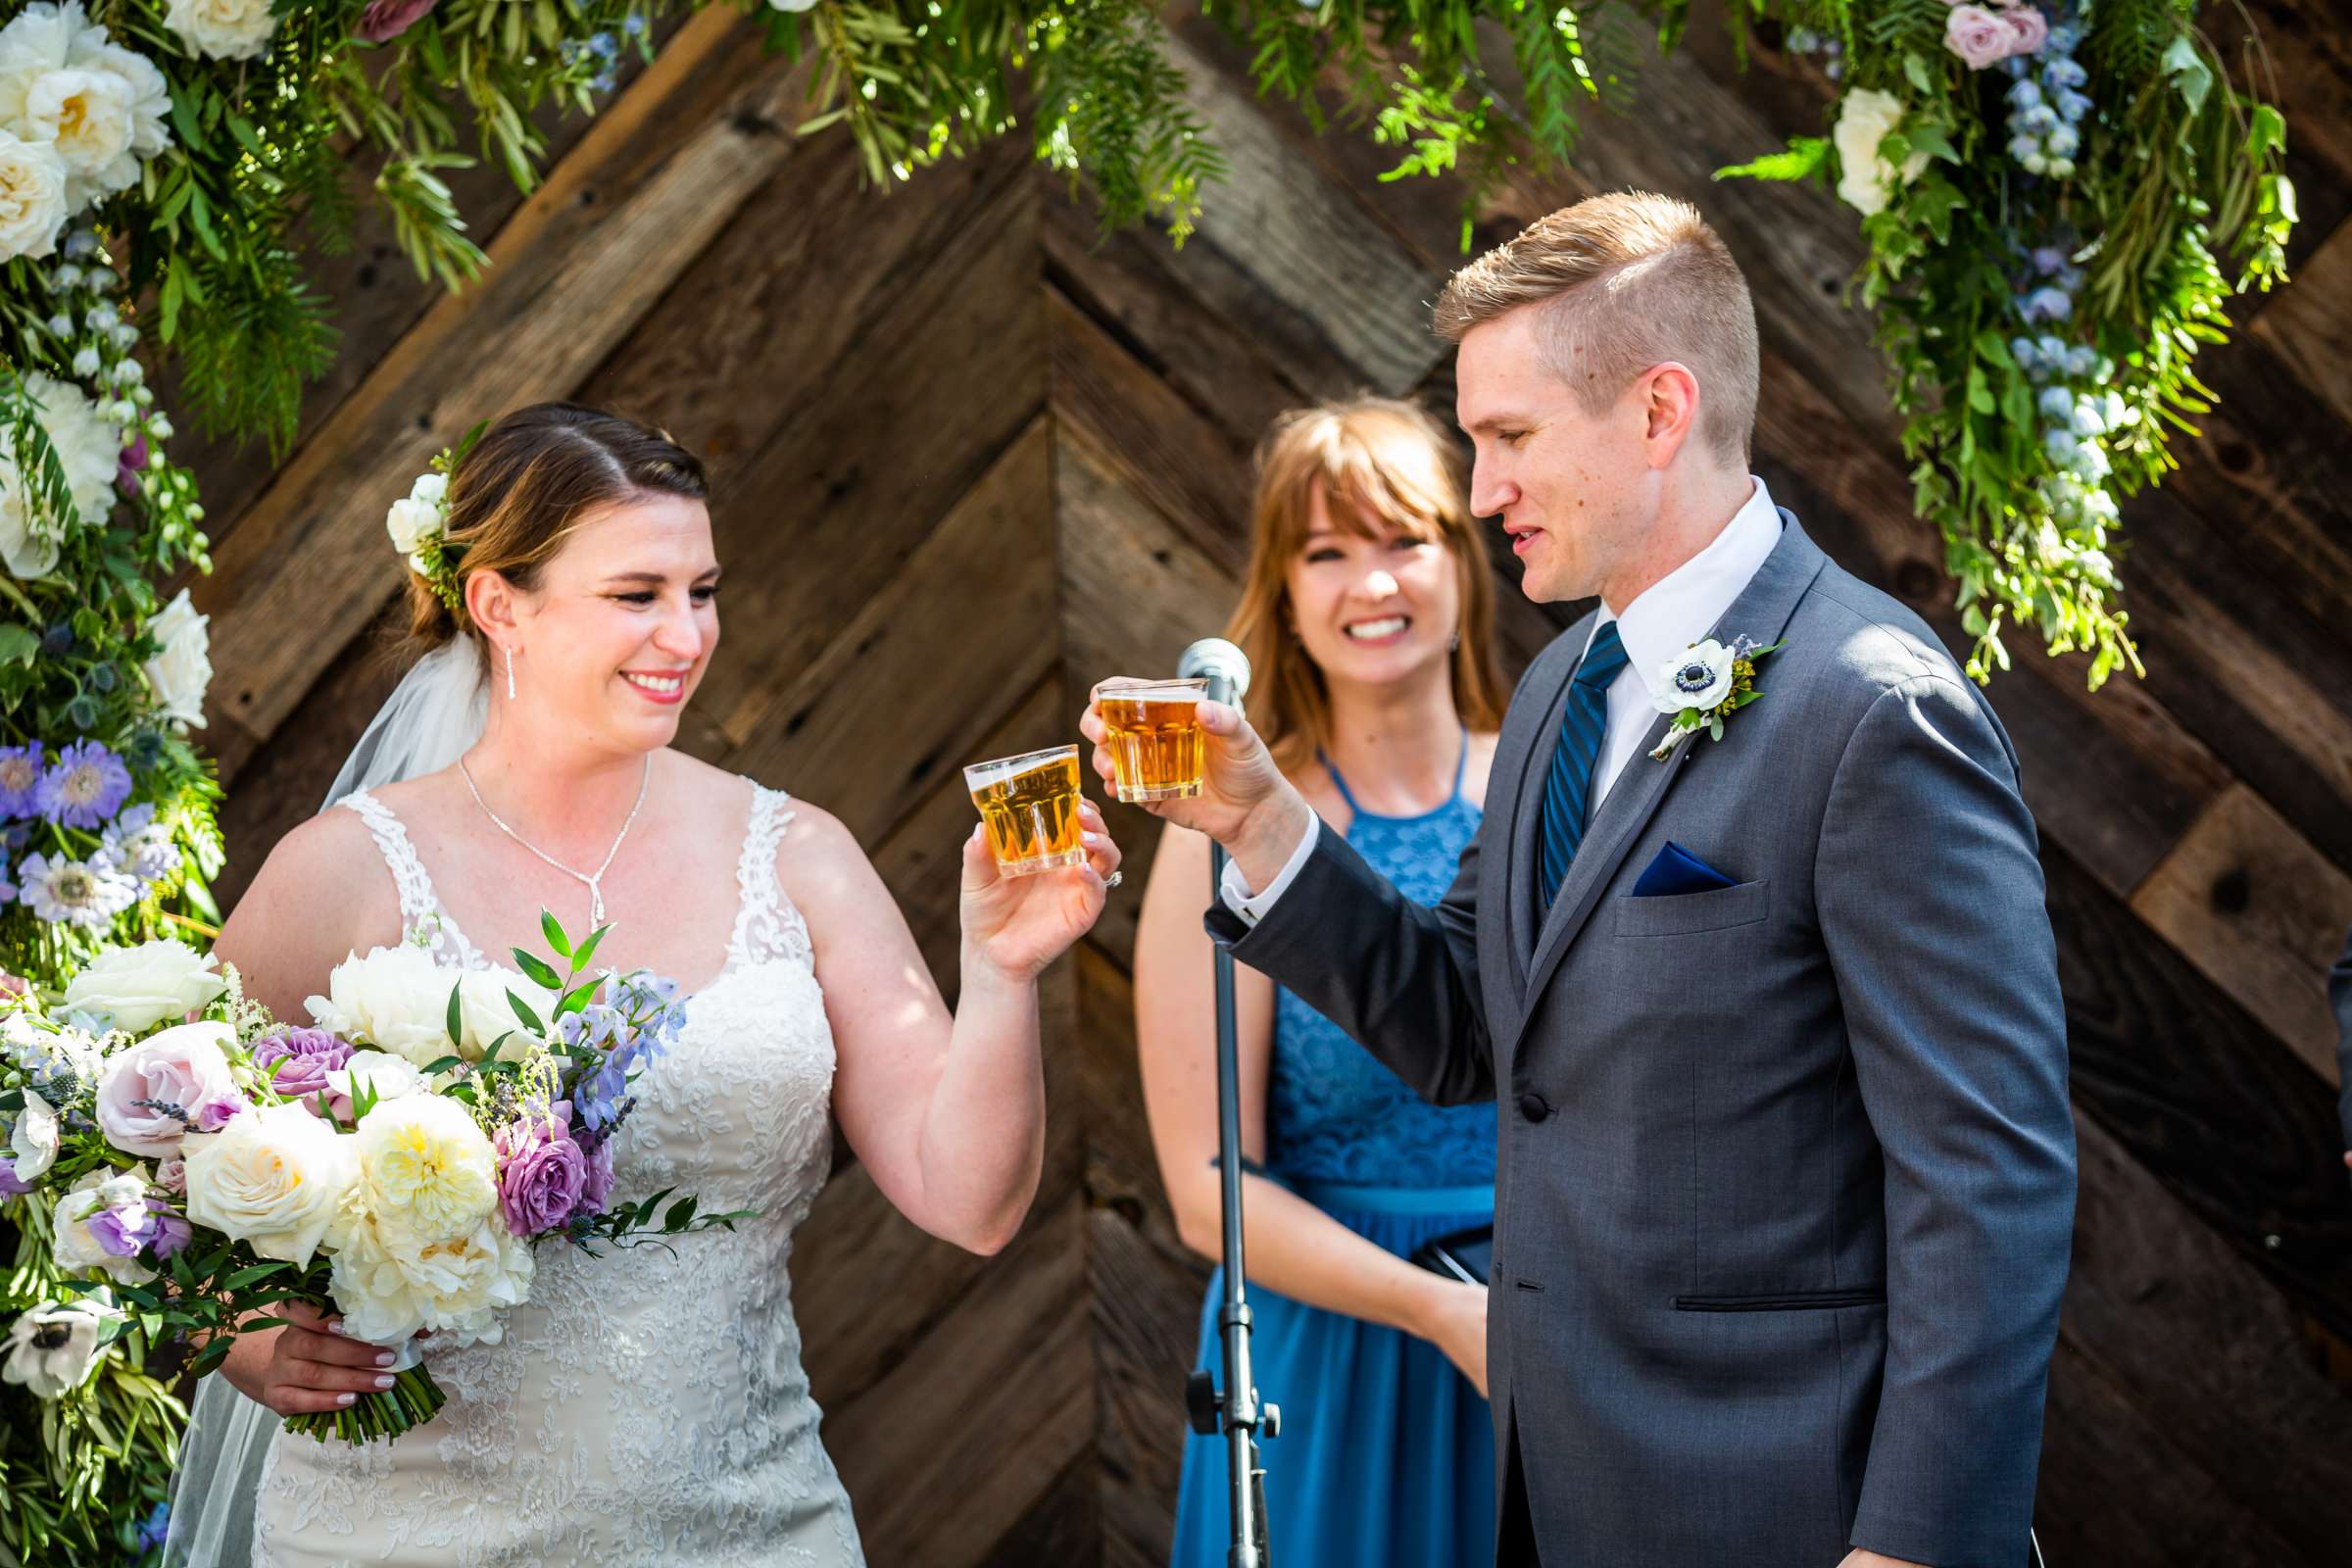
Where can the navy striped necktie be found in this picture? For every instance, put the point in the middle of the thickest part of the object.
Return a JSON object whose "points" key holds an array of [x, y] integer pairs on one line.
{"points": [[1568, 789]]}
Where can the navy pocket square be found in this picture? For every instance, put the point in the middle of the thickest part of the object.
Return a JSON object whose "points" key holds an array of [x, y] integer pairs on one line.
{"points": [[1676, 870]]}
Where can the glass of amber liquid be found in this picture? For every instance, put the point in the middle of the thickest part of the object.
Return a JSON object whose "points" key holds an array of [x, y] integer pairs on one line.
{"points": [[1153, 732], [1029, 804]]}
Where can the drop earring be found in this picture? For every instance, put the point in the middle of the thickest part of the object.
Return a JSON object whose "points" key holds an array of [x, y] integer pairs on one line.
{"points": [[1453, 644], [510, 672]]}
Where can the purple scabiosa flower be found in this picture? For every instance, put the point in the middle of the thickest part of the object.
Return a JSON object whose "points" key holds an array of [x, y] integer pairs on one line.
{"points": [[299, 1060], [19, 779], [138, 846], [87, 785]]}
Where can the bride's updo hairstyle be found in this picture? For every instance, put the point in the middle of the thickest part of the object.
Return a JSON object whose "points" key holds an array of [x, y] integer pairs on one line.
{"points": [[526, 484]]}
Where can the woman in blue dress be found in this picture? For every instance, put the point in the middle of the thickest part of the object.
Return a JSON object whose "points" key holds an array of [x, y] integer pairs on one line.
{"points": [[1368, 615]]}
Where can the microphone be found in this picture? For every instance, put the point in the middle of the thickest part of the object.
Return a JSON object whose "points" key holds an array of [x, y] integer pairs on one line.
{"points": [[1226, 667]]}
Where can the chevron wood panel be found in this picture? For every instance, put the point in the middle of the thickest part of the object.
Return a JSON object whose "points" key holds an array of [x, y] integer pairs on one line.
{"points": [[971, 454]]}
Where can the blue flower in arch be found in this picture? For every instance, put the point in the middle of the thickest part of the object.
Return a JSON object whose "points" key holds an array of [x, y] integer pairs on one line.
{"points": [[86, 787], [19, 779]]}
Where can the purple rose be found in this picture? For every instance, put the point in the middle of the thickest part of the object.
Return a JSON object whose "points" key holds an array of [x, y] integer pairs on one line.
{"points": [[541, 1171], [597, 1191], [299, 1060], [1978, 37], [386, 20]]}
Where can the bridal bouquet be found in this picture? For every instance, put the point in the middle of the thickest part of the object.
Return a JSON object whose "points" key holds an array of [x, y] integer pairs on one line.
{"points": [[396, 1161]]}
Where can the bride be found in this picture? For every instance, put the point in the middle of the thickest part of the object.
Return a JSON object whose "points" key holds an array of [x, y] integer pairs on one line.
{"points": [[648, 1406]]}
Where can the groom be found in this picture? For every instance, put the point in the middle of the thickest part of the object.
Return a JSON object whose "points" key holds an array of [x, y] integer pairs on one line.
{"points": [[1785, 1178]]}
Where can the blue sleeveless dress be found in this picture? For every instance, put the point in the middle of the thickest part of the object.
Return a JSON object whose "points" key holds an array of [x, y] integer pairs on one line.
{"points": [[1387, 1452]]}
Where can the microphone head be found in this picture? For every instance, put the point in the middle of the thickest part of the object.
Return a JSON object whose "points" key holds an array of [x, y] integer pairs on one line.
{"points": [[1217, 659]]}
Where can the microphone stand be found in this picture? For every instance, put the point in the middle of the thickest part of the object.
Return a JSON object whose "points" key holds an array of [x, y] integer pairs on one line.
{"points": [[1237, 1412]]}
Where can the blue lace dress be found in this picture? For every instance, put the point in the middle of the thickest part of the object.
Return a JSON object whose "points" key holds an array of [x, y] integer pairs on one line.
{"points": [[1386, 1456]]}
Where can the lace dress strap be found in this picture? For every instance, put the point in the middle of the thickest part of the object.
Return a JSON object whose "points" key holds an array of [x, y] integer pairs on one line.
{"points": [[421, 917], [767, 926]]}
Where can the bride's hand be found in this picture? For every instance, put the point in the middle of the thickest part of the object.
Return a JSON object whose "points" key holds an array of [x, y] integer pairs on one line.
{"points": [[1019, 924], [304, 1369]]}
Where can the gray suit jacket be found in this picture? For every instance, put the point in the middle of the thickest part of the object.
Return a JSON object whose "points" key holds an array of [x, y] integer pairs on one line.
{"points": [[1786, 1180]]}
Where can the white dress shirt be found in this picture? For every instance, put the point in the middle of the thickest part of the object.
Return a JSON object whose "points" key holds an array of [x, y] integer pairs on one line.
{"points": [[1657, 628]]}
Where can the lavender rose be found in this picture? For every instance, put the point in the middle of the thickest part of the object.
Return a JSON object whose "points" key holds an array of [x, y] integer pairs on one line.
{"points": [[541, 1172], [299, 1060], [1978, 37], [386, 20], [150, 1094]]}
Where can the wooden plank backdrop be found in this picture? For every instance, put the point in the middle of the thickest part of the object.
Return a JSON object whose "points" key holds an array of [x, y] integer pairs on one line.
{"points": [[970, 455]]}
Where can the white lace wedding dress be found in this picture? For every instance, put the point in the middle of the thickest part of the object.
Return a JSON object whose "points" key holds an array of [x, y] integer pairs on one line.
{"points": [[647, 1407]]}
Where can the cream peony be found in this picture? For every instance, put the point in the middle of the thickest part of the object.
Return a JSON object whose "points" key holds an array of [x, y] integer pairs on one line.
{"points": [[1866, 181], [185, 1066], [390, 1288], [276, 1177], [182, 666], [32, 200], [71, 1242], [87, 447], [52, 1348], [395, 999], [427, 1172], [139, 988], [226, 30]]}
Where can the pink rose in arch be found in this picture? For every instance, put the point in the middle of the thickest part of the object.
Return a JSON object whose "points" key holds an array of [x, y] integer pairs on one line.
{"points": [[2031, 29], [1978, 37], [386, 20]]}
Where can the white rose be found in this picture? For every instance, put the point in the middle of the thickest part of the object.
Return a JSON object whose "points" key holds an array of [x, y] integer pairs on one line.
{"points": [[71, 1242], [139, 988], [387, 1077], [1865, 179], [791, 5], [411, 523], [1700, 677], [84, 443], [34, 1141], [32, 198], [430, 488], [182, 666], [275, 1177], [52, 1348], [426, 1171], [395, 999], [389, 1289], [226, 30], [487, 1014]]}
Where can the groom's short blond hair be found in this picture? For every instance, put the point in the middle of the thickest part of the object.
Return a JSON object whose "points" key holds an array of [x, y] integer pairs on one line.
{"points": [[1625, 281]]}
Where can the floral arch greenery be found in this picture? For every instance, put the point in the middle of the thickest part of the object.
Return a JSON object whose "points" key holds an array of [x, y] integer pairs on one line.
{"points": [[2059, 200]]}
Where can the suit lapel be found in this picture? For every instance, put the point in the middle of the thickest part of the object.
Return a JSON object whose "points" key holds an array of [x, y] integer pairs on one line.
{"points": [[1761, 612], [1527, 810]]}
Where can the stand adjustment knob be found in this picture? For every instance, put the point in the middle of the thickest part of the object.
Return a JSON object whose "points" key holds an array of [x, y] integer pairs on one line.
{"points": [[1269, 1421], [1202, 1405]]}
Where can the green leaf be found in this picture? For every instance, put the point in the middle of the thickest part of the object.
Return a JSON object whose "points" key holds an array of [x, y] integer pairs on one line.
{"points": [[2190, 71], [581, 959], [538, 969], [1804, 156], [553, 930], [247, 1276], [523, 1013], [455, 1020], [18, 645], [1915, 72]]}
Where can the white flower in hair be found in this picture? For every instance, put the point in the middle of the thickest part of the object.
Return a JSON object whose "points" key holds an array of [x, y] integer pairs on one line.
{"points": [[420, 514]]}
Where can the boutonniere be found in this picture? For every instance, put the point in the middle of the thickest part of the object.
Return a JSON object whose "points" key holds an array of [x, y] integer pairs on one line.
{"points": [[1707, 682]]}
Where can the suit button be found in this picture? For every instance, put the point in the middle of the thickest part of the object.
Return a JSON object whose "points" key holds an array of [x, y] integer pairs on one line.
{"points": [[1534, 1108]]}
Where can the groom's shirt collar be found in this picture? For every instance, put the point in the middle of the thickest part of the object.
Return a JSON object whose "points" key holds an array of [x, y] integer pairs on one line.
{"points": [[1683, 605]]}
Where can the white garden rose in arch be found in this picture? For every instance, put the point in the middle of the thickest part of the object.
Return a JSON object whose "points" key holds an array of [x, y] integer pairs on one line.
{"points": [[226, 30], [1866, 181], [87, 447], [182, 666], [99, 106], [32, 198]]}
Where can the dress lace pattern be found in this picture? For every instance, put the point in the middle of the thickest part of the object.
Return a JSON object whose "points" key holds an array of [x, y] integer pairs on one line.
{"points": [[648, 1406], [1333, 1112]]}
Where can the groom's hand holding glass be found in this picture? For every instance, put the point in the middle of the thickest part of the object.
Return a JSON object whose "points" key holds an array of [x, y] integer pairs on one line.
{"points": [[1244, 802]]}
